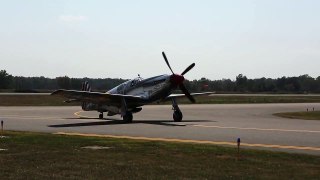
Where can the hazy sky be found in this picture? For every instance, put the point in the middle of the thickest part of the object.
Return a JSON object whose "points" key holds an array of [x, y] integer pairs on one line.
{"points": [[91, 38]]}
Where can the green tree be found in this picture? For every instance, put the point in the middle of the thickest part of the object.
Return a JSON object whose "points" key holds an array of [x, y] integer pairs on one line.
{"points": [[5, 79], [307, 83], [63, 82], [241, 82]]}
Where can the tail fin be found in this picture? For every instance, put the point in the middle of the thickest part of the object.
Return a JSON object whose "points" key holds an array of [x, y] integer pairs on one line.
{"points": [[85, 87]]}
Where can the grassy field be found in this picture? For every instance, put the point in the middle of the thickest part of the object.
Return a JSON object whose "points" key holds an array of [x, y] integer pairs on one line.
{"points": [[47, 100], [311, 115], [42, 156]]}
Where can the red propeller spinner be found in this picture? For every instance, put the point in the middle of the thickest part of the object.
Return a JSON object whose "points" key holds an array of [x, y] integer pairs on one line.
{"points": [[176, 79]]}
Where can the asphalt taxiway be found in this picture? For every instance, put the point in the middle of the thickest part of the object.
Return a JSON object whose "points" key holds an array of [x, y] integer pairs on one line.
{"points": [[254, 124]]}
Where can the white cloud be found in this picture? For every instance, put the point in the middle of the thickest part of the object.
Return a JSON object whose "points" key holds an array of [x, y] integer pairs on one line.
{"points": [[73, 18]]}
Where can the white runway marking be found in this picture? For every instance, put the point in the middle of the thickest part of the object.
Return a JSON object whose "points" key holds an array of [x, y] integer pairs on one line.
{"points": [[28, 117]]}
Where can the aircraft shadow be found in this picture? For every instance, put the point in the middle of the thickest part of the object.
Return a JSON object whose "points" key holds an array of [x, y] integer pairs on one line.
{"points": [[117, 121]]}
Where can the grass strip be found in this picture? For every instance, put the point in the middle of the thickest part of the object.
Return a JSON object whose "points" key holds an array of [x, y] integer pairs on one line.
{"points": [[310, 115], [40, 155]]}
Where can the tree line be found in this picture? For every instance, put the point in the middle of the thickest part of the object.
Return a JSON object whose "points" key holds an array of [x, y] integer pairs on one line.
{"points": [[299, 84]]}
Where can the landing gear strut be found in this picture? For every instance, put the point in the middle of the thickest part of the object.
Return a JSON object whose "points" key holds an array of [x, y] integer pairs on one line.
{"points": [[101, 115], [177, 114]]}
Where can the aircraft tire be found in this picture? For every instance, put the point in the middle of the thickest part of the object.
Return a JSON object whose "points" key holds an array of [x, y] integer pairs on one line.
{"points": [[177, 116], [128, 117], [101, 116]]}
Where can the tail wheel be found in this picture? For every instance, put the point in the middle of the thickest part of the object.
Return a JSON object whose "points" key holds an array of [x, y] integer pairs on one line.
{"points": [[128, 117], [177, 116]]}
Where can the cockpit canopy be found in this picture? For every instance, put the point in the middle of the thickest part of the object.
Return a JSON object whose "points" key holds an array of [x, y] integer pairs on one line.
{"points": [[136, 80]]}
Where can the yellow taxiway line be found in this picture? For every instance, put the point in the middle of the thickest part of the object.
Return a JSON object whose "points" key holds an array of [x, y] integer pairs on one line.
{"points": [[193, 141], [81, 116]]}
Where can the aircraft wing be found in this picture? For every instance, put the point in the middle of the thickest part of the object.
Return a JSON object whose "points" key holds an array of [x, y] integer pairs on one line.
{"points": [[96, 97], [192, 94]]}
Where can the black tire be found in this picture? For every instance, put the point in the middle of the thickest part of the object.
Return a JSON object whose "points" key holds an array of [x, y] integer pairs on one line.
{"points": [[177, 116], [128, 117], [100, 116]]}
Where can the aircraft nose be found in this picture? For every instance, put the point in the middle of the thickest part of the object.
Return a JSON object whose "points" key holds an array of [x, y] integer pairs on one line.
{"points": [[176, 79]]}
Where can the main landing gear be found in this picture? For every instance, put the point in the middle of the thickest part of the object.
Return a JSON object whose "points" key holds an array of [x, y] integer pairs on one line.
{"points": [[126, 115], [101, 115], [127, 118], [177, 114]]}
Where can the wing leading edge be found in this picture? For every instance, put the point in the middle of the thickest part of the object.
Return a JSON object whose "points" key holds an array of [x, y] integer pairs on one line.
{"points": [[183, 95], [97, 97], [111, 99]]}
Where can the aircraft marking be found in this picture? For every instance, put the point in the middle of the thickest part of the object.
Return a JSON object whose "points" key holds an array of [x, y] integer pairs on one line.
{"points": [[193, 141]]}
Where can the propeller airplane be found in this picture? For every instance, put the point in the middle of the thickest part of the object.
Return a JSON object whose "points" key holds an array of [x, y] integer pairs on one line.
{"points": [[129, 97]]}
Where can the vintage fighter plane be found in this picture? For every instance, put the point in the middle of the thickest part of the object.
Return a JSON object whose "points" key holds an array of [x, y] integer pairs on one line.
{"points": [[128, 97]]}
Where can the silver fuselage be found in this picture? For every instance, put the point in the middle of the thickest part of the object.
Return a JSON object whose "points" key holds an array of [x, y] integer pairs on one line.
{"points": [[151, 89]]}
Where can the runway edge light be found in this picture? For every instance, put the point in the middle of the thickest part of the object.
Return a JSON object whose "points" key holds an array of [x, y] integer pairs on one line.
{"points": [[238, 144], [1, 128]]}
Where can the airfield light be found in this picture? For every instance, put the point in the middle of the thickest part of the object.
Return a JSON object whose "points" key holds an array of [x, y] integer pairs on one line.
{"points": [[238, 144], [1, 127]]}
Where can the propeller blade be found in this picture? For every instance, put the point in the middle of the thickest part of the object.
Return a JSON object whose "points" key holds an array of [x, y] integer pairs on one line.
{"points": [[165, 58], [186, 92], [188, 69]]}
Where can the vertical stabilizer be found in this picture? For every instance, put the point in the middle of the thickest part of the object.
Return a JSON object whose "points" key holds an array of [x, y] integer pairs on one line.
{"points": [[85, 87]]}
